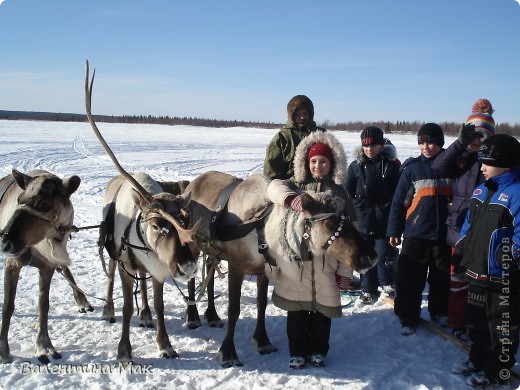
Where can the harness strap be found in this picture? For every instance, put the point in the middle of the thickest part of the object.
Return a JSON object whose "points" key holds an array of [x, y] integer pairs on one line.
{"points": [[220, 206]]}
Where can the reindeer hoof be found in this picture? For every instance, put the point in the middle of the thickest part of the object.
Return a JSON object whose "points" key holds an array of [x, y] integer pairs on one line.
{"points": [[43, 359], [56, 355], [6, 359], [231, 363], [171, 355], [216, 324], [85, 309], [193, 324], [267, 349]]}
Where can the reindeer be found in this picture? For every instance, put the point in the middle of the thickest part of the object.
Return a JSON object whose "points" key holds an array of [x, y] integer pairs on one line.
{"points": [[241, 226], [36, 218], [149, 236]]}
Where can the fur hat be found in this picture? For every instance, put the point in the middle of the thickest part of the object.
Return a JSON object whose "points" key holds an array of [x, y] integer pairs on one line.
{"points": [[481, 118], [431, 133], [339, 162], [297, 103], [319, 149], [501, 150], [372, 135]]}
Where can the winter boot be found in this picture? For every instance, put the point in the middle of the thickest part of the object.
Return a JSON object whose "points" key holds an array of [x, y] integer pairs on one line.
{"points": [[367, 298], [297, 362], [466, 368]]}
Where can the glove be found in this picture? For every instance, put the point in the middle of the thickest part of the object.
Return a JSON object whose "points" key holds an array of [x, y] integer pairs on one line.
{"points": [[467, 134], [347, 284], [295, 203]]}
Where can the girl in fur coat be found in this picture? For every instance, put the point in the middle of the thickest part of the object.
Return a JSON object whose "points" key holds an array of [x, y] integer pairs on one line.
{"points": [[313, 298]]}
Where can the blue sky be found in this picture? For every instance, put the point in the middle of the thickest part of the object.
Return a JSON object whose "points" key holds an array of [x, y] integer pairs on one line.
{"points": [[357, 60]]}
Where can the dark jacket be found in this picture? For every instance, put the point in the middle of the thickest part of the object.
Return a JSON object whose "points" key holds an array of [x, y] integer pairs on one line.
{"points": [[420, 203], [490, 236], [371, 183], [463, 166]]}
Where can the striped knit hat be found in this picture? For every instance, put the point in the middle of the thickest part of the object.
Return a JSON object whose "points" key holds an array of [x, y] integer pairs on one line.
{"points": [[481, 118]]}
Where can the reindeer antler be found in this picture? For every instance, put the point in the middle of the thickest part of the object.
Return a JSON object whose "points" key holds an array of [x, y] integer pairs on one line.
{"points": [[88, 104]]}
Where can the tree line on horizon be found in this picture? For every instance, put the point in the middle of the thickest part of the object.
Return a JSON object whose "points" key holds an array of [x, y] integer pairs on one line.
{"points": [[450, 128]]}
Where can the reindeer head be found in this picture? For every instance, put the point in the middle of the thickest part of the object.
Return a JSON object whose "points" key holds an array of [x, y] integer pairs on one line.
{"points": [[41, 214], [330, 229]]}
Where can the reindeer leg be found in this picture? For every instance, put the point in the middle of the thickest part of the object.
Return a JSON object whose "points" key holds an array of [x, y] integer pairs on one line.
{"points": [[11, 276], [192, 313], [108, 308], [210, 314], [260, 338], [44, 346], [163, 341], [145, 317], [124, 349], [227, 353], [80, 298]]}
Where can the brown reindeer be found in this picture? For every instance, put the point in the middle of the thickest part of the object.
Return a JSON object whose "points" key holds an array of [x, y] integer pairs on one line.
{"points": [[148, 236], [247, 230], [36, 218]]}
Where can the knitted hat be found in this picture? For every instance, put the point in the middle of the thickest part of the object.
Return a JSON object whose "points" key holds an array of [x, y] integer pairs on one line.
{"points": [[481, 118], [297, 103], [320, 149], [501, 150], [484, 123], [431, 133], [372, 135]]}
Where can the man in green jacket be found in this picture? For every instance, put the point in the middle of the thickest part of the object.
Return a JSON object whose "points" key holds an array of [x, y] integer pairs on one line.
{"points": [[280, 151]]}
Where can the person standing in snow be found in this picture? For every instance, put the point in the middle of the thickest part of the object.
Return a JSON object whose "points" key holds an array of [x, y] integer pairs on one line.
{"points": [[371, 182], [280, 151], [419, 209], [487, 255], [460, 161], [311, 297]]}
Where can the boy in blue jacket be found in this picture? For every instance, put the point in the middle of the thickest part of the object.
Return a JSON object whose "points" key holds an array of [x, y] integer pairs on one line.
{"points": [[419, 209], [487, 255]]}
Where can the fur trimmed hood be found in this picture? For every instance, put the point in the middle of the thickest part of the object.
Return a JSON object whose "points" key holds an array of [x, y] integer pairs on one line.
{"points": [[301, 165], [388, 151]]}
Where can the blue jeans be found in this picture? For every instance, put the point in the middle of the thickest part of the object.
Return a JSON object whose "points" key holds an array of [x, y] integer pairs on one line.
{"points": [[383, 273]]}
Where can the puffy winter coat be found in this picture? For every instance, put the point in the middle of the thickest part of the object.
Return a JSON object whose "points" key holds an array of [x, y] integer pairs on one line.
{"points": [[314, 288], [490, 236], [420, 203], [463, 166], [371, 183]]}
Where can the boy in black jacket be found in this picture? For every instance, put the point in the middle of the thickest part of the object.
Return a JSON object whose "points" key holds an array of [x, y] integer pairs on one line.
{"points": [[371, 181]]}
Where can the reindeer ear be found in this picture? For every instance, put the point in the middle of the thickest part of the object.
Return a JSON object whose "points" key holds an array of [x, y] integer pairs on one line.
{"points": [[21, 178], [138, 199], [71, 184], [186, 199]]}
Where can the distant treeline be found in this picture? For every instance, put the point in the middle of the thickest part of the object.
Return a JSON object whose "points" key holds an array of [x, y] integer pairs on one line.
{"points": [[450, 128]]}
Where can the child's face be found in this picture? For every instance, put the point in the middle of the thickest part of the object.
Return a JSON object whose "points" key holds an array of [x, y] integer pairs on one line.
{"points": [[429, 150], [488, 171], [319, 166], [475, 145], [372, 151], [302, 117]]}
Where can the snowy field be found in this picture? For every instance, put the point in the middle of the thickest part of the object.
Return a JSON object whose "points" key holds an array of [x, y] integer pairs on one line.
{"points": [[367, 350]]}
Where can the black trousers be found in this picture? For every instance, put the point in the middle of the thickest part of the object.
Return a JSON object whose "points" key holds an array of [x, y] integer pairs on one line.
{"points": [[308, 332], [421, 261], [493, 319]]}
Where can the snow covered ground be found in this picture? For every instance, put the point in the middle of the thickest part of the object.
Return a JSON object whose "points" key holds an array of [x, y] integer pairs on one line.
{"points": [[367, 350]]}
